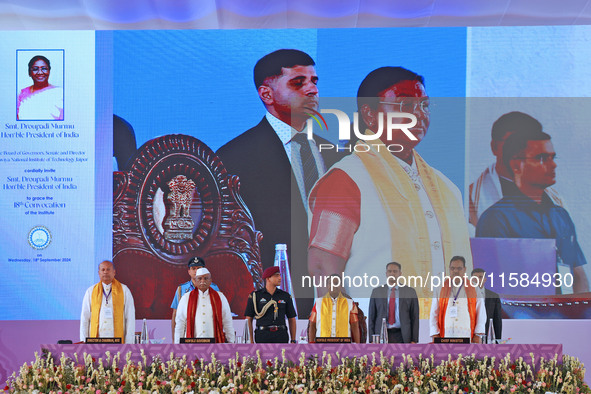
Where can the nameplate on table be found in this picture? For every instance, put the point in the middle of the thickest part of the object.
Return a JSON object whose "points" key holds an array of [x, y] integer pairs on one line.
{"points": [[333, 340], [451, 340], [103, 340], [197, 340]]}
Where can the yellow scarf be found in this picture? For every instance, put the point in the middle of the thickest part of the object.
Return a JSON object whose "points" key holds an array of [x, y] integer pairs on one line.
{"points": [[342, 318], [96, 300], [408, 226]]}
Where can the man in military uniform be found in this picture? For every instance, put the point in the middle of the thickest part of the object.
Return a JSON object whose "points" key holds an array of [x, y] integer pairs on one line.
{"points": [[194, 264], [269, 306]]}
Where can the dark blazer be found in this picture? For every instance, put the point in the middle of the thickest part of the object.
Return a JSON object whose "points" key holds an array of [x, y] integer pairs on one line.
{"points": [[270, 191], [408, 305], [494, 311]]}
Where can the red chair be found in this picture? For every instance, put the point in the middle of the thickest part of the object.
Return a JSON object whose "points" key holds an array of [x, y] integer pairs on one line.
{"points": [[175, 202]]}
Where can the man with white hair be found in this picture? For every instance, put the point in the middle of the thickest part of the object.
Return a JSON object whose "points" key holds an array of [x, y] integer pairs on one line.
{"points": [[204, 313], [108, 310]]}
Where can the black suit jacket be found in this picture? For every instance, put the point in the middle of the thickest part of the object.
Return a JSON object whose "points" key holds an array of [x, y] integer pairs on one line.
{"points": [[493, 311], [269, 189], [408, 309]]}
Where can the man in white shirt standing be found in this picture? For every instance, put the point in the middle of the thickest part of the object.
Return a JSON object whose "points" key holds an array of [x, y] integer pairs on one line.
{"points": [[204, 313], [108, 310], [457, 310]]}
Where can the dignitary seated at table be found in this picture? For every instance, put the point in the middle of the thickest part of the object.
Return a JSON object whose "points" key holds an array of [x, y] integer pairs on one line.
{"points": [[457, 311], [204, 312], [399, 305], [270, 306], [108, 310], [492, 302], [334, 316], [193, 265]]}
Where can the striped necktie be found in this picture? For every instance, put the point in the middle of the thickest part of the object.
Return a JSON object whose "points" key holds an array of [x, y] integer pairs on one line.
{"points": [[309, 167]]}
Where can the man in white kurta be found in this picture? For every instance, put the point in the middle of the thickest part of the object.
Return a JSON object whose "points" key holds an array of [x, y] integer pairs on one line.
{"points": [[460, 319], [204, 316], [106, 326]]}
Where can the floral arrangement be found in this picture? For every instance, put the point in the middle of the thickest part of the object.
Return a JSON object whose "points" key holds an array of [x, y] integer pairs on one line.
{"points": [[314, 374]]}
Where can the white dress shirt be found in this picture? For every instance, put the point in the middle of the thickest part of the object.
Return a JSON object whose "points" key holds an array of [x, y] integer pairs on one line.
{"points": [[106, 327], [285, 133], [203, 317]]}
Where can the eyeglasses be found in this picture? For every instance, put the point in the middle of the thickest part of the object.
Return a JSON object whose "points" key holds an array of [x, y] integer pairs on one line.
{"points": [[37, 69], [410, 106], [542, 158]]}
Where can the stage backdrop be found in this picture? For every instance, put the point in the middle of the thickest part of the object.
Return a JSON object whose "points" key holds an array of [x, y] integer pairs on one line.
{"points": [[132, 116], [56, 192]]}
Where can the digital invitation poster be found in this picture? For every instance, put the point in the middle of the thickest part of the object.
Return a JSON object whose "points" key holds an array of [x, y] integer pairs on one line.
{"points": [[47, 172]]}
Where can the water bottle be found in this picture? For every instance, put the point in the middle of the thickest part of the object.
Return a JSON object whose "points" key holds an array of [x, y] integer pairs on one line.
{"points": [[282, 262], [145, 338], [384, 332], [491, 337], [304, 336], [246, 333]]}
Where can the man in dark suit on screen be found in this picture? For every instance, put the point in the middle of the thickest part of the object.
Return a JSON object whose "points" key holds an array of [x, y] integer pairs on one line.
{"points": [[399, 305], [493, 304], [278, 165]]}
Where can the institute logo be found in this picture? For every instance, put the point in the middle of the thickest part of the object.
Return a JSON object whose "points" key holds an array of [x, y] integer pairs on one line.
{"points": [[39, 237]]}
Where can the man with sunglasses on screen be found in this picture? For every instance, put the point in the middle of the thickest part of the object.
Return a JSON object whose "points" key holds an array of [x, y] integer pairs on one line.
{"points": [[528, 211], [382, 204]]}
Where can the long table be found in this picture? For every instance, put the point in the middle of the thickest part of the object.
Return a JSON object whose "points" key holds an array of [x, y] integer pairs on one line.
{"points": [[224, 352]]}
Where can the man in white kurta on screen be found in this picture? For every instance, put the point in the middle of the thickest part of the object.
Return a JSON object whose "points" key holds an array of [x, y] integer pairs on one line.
{"points": [[108, 310], [204, 313], [457, 309], [384, 202]]}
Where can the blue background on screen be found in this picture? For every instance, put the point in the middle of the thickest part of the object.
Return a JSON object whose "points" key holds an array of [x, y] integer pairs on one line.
{"points": [[200, 82]]}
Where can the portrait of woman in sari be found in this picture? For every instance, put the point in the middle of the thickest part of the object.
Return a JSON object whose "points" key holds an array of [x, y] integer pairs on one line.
{"points": [[40, 101]]}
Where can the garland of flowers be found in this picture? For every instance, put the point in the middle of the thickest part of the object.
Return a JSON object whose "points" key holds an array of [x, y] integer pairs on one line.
{"points": [[315, 374]]}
